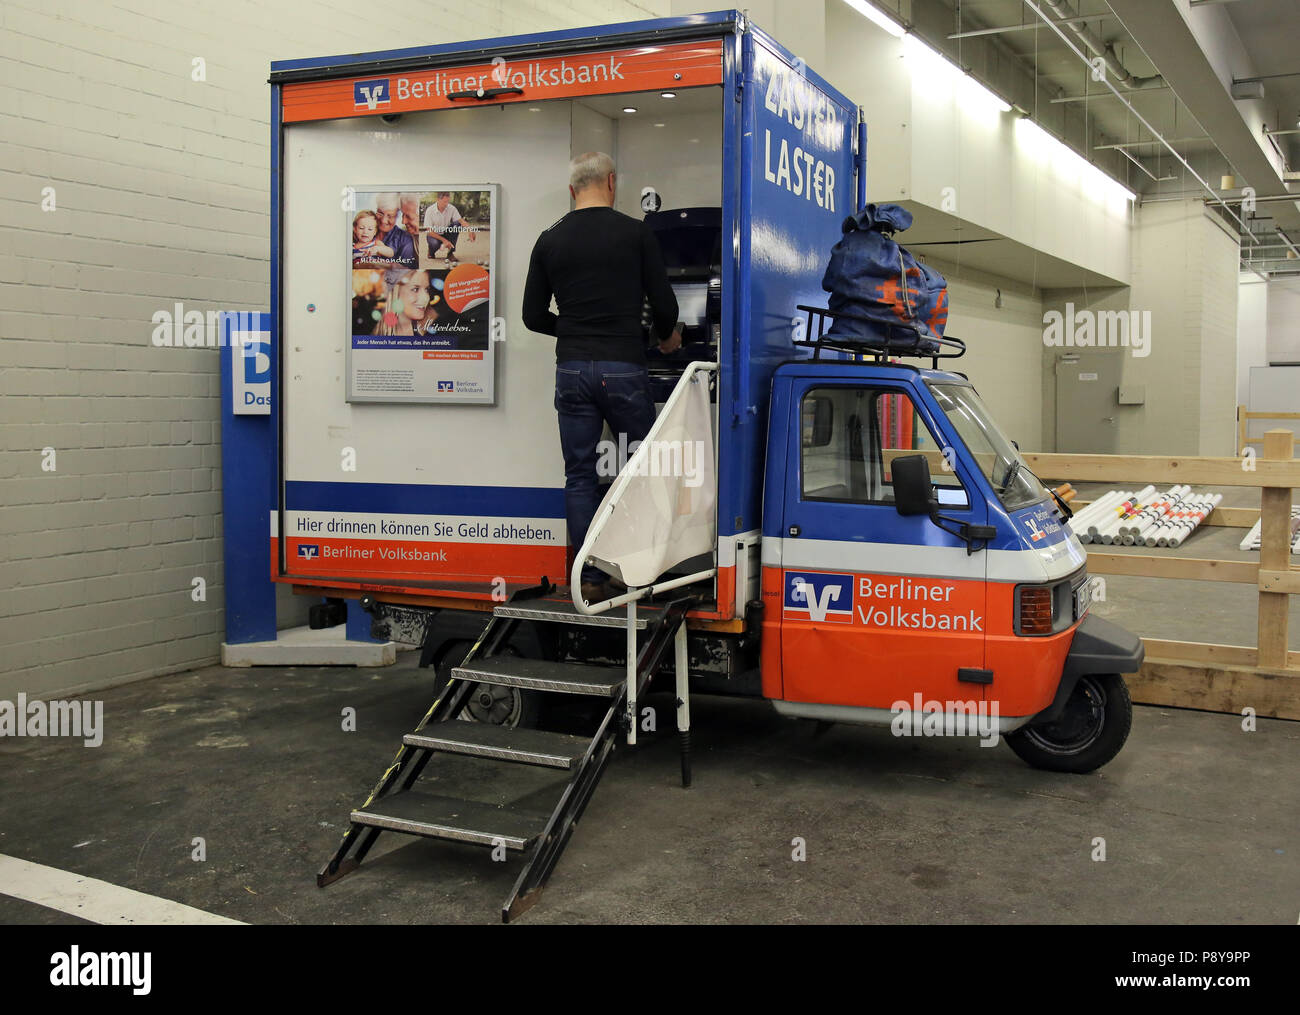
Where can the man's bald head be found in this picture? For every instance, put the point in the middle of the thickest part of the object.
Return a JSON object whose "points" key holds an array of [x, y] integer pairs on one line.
{"points": [[591, 178]]}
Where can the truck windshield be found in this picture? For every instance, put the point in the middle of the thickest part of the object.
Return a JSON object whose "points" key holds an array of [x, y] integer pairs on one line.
{"points": [[996, 456]]}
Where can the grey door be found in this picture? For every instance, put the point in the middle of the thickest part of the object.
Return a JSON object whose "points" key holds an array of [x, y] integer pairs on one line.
{"points": [[1087, 402]]}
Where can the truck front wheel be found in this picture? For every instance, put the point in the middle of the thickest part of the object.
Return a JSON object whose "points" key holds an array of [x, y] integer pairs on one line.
{"points": [[1088, 733]]}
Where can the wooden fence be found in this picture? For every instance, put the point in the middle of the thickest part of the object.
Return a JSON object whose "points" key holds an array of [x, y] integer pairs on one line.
{"points": [[1220, 678]]}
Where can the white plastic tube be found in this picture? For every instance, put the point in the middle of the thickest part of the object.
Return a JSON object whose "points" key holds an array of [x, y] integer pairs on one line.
{"points": [[1111, 511], [1091, 514], [1148, 531], [1153, 510], [1126, 510], [1206, 505], [1085, 517]]}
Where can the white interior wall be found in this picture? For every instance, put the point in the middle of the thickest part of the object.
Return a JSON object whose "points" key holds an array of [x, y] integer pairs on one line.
{"points": [[928, 142], [1185, 274], [515, 443], [1003, 346], [1213, 290], [862, 63], [591, 131], [682, 160], [1252, 331], [161, 186], [1284, 320]]}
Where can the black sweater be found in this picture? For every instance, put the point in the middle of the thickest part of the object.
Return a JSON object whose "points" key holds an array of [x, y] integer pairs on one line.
{"points": [[598, 263]]}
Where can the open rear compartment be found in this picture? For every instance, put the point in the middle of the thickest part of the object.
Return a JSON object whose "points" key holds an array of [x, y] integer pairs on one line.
{"points": [[440, 477]]}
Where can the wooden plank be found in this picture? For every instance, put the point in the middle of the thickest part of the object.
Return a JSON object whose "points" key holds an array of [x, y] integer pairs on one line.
{"points": [[1201, 652], [1274, 556], [1141, 469], [1271, 415], [1187, 568], [1272, 694], [1233, 518], [1212, 655], [1287, 582]]}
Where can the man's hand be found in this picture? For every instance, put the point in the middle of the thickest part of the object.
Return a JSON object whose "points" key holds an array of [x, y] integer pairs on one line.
{"points": [[673, 342]]}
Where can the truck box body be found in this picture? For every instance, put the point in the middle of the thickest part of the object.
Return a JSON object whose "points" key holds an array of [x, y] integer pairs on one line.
{"points": [[439, 500]]}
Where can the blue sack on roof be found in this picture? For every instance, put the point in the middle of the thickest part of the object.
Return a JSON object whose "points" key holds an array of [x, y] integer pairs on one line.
{"points": [[880, 295]]}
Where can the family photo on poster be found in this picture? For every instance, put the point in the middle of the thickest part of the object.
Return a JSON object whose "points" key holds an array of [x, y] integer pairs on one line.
{"points": [[421, 267]]}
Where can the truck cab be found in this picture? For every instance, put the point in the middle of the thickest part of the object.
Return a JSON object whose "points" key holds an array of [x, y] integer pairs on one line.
{"points": [[914, 570]]}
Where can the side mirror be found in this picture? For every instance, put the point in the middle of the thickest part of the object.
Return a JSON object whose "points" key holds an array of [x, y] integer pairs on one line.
{"points": [[913, 491]]}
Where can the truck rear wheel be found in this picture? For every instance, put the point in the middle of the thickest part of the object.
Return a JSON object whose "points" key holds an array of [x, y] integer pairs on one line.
{"points": [[491, 703], [1088, 733]]}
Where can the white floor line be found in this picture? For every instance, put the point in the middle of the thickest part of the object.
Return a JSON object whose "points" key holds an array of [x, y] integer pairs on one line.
{"points": [[92, 899]]}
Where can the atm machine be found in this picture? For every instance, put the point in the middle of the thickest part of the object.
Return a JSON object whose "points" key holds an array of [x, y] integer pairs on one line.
{"points": [[691, 241]]}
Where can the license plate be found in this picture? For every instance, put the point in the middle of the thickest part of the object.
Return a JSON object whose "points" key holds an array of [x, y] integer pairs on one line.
{"points": [[1082, 599]]}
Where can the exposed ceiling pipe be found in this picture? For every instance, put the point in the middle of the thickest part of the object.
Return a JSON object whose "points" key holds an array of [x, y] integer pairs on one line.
{"points": [[1143, 120], [1068, 15]]}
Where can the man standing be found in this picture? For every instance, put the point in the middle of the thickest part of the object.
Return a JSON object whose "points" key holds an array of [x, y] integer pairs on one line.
{"points": [[393, 235], [599, 264], [443, 225]]}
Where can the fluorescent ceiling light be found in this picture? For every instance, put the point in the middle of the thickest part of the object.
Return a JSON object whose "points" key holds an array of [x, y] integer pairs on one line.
{"points": [[629, 109], [1067, 162], [929, 61], [877, 17]]}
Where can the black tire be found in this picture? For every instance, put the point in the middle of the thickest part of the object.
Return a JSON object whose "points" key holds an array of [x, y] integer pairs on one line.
{"points": [[1089, 732], [492, 703]]}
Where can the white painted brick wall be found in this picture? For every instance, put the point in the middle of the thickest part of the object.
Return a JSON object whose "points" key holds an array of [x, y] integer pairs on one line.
{"points": [[161, 186]]}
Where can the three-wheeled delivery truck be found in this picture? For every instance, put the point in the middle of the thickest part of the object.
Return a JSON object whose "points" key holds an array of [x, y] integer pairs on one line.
{"points": [[849, 537]]}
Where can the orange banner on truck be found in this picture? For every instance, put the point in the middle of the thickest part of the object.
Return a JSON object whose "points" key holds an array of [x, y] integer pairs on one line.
{"points": [[642, 68]]}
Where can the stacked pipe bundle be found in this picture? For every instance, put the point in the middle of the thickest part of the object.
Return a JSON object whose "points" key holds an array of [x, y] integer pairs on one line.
{"points": [[1144, 517], [1252, 538], [1106, 512], [1178, 524]]}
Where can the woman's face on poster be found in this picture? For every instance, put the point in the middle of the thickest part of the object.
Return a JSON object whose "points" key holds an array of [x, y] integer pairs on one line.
{"points": [[414, 292]]}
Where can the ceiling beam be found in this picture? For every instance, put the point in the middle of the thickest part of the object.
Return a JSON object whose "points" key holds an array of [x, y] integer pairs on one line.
{"points": [[1167, 38]]}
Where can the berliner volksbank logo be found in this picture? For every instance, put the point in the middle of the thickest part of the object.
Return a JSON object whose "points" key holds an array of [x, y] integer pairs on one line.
{"points": [[372, 94], [812, 595]]}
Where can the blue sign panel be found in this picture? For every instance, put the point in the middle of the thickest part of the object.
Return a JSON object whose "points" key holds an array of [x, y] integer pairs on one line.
{"points": [[797, 183]]}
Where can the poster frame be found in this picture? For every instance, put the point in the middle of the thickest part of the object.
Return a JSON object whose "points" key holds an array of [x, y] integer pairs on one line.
{"points": [[495, 329]]}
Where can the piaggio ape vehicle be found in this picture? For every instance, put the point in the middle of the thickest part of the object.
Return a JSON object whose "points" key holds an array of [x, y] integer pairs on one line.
{"points": [[850, 538]]}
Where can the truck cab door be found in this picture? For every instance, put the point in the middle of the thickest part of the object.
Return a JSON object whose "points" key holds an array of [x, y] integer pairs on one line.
{"points": [[878, 607]]}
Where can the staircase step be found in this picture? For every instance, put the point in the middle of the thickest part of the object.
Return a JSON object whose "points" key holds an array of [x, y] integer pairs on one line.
{"points": [[529, 747], [543, 675], [560, 610], [440, 817]]}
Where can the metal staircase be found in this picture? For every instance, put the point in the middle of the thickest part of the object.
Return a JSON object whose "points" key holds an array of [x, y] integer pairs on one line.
{"points": [[536, 822]]}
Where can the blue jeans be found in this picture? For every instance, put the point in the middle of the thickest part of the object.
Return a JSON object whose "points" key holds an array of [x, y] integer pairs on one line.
{"points": [[589, 394]]}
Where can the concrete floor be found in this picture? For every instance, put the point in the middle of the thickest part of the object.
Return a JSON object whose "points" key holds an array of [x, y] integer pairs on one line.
{"points": [[1199, 818]]}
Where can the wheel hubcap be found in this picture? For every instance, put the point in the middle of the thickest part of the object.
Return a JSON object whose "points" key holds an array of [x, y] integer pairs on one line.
{"points": [[1079, 725], [494, 704]]}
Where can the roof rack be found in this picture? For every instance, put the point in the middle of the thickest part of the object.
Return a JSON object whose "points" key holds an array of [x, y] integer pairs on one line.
{"points": [[817, 326]]}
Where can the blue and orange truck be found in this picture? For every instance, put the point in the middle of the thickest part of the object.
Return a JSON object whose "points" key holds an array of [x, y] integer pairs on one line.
{"points": [[878, 553]]}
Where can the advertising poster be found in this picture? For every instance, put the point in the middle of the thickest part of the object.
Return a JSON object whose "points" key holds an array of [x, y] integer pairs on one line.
{"points": [[421, 283]]}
